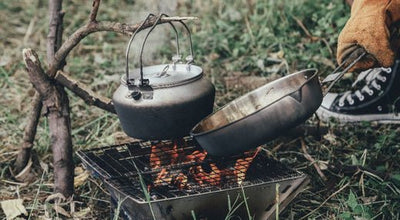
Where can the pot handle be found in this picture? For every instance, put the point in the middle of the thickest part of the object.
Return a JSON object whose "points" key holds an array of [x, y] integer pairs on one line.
{"points": [[189, 59], [130, 82]]}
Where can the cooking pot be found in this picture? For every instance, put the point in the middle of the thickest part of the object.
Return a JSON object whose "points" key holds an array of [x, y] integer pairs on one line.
{"points": [[265, 113], [163, 101]]}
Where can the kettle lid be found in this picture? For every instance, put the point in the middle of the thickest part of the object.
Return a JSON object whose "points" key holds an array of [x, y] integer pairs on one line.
{"points": [[166, 75]]}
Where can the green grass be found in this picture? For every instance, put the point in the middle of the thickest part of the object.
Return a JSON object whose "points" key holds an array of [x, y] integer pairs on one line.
{"points": [[232, 39]]}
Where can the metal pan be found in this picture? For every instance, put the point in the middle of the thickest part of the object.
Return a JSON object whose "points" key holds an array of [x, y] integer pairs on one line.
{"points": [[265, 113], [261, 115]]}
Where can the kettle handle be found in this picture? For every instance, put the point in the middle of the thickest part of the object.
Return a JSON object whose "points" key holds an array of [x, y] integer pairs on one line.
{"points": [[128, 81], [189, 59]]}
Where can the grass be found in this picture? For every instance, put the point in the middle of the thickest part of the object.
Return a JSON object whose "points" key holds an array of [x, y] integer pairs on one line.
{"points": [[262, 39]]}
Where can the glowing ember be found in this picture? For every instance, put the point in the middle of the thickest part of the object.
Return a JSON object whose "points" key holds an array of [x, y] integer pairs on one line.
{"points": [[242, 165], [163, 177], [202, 177], [181, 181], [204, 174]]}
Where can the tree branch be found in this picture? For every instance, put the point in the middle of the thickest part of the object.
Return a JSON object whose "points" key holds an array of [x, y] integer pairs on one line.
{"points": [[55, 27], [54, 38], [29, 134], [85, 93], [57, 105], [95, 9]]}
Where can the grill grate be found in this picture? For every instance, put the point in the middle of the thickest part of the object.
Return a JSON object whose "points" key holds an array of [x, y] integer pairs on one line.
{"points": [[172, 169]]}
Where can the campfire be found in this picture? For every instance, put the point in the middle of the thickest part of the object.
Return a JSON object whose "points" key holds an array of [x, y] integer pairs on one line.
{"points": [[197, 170]]}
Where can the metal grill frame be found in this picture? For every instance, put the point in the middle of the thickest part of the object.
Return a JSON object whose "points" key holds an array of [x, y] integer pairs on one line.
{"points": [[144, 147]]}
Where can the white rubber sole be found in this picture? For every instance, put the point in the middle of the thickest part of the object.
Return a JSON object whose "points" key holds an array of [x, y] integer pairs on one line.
{"points": [[326, 115]]}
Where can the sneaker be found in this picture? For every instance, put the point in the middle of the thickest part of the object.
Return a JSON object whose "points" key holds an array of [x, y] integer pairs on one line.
{"points": [[377, 99]]}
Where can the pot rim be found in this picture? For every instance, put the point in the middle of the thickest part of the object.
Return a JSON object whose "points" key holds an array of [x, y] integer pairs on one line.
{"points": [[194, 134]]}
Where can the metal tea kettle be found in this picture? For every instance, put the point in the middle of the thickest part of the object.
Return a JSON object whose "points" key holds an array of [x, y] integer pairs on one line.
{"points": [[163, 101]]}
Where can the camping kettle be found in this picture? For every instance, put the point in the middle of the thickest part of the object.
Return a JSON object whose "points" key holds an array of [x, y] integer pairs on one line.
{"points": [[163, 101]]}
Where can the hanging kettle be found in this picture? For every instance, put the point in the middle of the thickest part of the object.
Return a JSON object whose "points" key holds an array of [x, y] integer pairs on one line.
{"points": [[163, 101]]}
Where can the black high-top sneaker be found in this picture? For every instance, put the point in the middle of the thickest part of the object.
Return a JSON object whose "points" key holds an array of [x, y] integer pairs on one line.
{"points": [[377, 100]]}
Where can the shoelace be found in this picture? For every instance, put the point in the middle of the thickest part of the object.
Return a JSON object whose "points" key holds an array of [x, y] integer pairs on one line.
{"points": [[369, 77]]}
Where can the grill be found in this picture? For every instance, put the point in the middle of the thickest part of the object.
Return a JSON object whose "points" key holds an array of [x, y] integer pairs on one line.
{"points": [[178, 180]]}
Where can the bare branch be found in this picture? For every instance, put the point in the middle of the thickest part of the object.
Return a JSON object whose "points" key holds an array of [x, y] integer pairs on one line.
{"points": [[85, 93], [54, 27], [57, 105], [84, 31], [54, 38], [311, 159], [95, 9], [29, 134]]}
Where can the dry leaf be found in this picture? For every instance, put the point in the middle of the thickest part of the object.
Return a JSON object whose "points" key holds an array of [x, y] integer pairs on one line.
{"points": [[61, 210], [368, 200], [331, 138], [323, 165], [56, 197], [81, 178], [78, 171], [82, 213], [13, 208]]}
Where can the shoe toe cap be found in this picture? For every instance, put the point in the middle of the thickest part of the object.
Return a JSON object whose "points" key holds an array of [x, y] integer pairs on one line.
{"points": [[329, 100]]}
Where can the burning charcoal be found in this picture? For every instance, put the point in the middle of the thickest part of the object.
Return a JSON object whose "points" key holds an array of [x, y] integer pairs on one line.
{"points": [[180, 181], [212, 178], [196, 156], [155, 161], [163, 178]]}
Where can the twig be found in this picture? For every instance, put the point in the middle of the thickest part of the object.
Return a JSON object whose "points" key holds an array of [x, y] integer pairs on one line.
{"points": [[54, 28], [29, 134], [303, 27], [309, 35], [353, 169], [326, 200], [57, 105], [85, 93], [95, 9], [311, 159]]}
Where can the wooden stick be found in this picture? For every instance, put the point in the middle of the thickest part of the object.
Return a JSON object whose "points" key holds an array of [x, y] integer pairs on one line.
{"points": [[314, 163], [60, 124], [57, 105], [95, 9], [54, 27], [29, 134], [54, 38], [84, 93]]}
